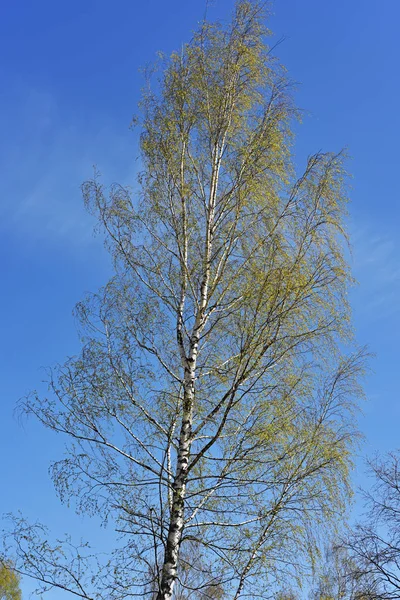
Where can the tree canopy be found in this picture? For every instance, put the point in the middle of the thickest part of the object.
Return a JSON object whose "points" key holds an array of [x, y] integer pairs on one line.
{"points": [[9, 583]]}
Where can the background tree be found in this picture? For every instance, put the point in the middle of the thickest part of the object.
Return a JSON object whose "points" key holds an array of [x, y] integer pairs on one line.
{"points": [[211, 405], [341, 578], [375, 543], [9, 582]]}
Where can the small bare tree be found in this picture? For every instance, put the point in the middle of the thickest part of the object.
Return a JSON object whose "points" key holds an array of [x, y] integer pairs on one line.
{"points": [[375, 543], [210, 409], [343, 578]]}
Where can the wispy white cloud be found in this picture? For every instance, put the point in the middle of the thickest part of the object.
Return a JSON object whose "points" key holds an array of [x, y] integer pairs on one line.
{"points": [[44, 156], [376, 265]]}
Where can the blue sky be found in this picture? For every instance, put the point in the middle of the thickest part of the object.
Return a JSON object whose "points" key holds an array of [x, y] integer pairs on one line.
{"points": [[69, 87]]}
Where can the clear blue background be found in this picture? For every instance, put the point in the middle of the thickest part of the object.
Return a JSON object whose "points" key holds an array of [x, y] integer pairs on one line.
{"points": [[69, 84]]}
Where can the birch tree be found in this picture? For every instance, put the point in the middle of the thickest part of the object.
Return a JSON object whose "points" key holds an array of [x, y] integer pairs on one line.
{"points": [[210, 412]]}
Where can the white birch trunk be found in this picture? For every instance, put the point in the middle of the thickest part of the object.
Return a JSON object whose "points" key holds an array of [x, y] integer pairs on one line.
{"points": [[169, 572]]}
